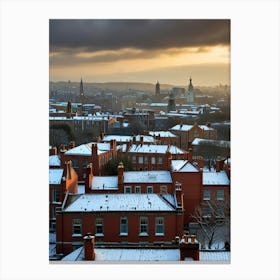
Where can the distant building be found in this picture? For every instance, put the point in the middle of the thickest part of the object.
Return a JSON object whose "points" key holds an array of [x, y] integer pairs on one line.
{"points": [[171, 107], [190, 93], [157, 91]]}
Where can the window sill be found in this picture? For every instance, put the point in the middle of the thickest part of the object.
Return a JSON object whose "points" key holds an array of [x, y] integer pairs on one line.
{"points": [[76, 235], [123, 234], [99, 235], [143, 234], [159, 234]]}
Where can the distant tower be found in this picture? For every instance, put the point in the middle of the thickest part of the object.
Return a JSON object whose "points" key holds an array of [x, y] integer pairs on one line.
{"points": [[81, 88], [171, 103], [157, 89], [69, 109], [190, 94]]}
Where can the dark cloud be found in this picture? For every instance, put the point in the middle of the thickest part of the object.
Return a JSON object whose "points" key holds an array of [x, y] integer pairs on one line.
{"points": [[93, 35]]}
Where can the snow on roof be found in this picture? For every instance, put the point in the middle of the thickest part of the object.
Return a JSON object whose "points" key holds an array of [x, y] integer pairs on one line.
{"points": [[144, 254], [55, 176], [215, 178], [118, 138], [85, 149], [54, 160], [104, 183], [184, 127], [159, 149], [118, 202], [155, 176], [81, 189], [212, 256], [162, 133], [197, 141], [80, 118], [126, 254], [183, 166], [146, 138]]}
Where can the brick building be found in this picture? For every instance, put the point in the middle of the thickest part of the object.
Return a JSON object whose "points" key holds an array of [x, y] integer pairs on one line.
{"points": [[165, 137], [60, 182], [96, 153], [187, 133], [127, 219]]}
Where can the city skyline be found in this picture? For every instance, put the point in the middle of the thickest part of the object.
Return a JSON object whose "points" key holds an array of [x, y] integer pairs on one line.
{"points": [[170, 51]]}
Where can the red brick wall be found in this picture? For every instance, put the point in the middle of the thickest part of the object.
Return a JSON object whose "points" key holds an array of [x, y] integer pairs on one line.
{"points": [[173, 227]]}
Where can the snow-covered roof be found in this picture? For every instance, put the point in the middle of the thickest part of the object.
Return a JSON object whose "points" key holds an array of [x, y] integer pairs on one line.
{"points": [[184, 127], [85, 149], [146, 138], [145, 254], [81, 189], [54, 160], [104, 183], [155, 149], [197, 141], [118, 138], [55, 176], [182, 166], [80, 118], [125, 254], [154, 176], [118, 202], [215, 178], [162, 133]]}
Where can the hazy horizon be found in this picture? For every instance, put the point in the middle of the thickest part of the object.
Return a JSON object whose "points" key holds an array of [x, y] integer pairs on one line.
{"points": [[144, 51]]}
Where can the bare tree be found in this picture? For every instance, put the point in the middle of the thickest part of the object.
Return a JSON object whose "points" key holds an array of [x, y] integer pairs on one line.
{"points": [[213, 219]]}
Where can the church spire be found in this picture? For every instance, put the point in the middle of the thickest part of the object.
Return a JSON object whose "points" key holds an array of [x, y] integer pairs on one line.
{"points": [[81, 88]]}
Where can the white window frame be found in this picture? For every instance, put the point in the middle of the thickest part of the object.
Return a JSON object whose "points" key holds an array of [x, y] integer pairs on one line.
{"points": [[153, 160], [219, 196], [159, 226], [97, 225], [207, 194], [123, 226], [160, 160], [150, 188], [127, 189], [140, 160], [143, 226], [77, 227], [137, 189]]}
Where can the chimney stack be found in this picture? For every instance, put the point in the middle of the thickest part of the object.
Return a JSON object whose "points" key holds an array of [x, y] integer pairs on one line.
{"points": [[72, 145], [190, 155], [219, 164], [189, 249], [94, 149], [88, 179], [200, 162], [63, 149], [120, 177], [89, 247]]}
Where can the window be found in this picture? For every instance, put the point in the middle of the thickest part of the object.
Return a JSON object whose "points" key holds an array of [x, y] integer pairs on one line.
{"points": [[159, 226], [149, 189], [54, 212], [206, 210], [133, 159], [160, 160], [56, 195], [75, 163], [220, 195], [77, 227], [99, 227], [153, 160], [146, 159], [163, 189], [127, 189], [137, 189], [140, 159], [143, 226], [124, 226], [206, 194], [85, 164]]}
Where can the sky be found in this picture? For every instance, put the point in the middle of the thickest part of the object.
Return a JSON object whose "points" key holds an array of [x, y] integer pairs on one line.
{"points": [[169, 51]]}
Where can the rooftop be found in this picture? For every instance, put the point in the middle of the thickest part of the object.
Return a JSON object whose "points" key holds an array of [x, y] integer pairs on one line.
{"points": [[159, 149], [215, 178], [162, 133], [54, 160], [155, 176], [55, 176], [85, 149], [183, 166], [118, 202], [104, 183]]}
